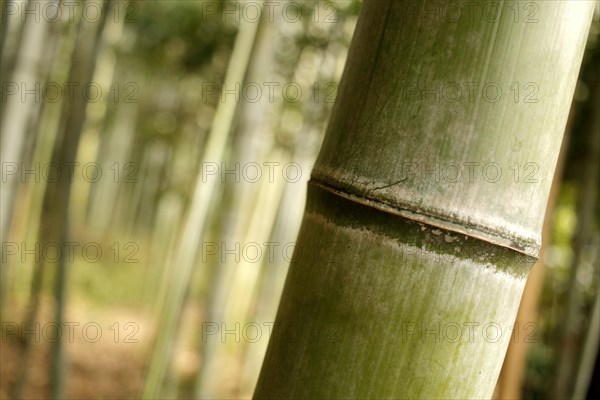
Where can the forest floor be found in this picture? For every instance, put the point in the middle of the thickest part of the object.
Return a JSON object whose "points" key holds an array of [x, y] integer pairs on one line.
{"points": [[105, 360]]}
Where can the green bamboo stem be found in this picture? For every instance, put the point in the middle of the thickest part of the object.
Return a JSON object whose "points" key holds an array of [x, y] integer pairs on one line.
{"points": [[53, 224], [196, 219], [589, 354], [118, 120], [289, 215], [14, 121], [251, 145], [405, 283], [571, 330], [17, 114], [23, 224], [57, 198]]}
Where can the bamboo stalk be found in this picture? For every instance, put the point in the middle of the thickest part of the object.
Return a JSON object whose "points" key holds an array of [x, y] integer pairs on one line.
{"points": [[252, 143], [196, 218], [25, 63], [589, 354], [16, 113], [57, 197], [53, 224], [512, 375], [406, 278], [23, 217], [571, 333], [289, 216]]}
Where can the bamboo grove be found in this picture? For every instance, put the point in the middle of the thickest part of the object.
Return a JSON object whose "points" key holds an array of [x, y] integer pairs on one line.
{"points": [[304, 199]]}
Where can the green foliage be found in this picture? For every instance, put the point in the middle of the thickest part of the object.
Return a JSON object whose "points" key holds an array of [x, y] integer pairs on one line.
{"points": [[180, 36]]}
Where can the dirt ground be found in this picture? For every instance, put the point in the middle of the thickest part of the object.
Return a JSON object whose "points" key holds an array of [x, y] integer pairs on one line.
{"points": [[105, 361]]}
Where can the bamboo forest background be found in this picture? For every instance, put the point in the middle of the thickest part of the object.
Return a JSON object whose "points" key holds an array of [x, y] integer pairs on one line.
{"points": [[155, 156]]}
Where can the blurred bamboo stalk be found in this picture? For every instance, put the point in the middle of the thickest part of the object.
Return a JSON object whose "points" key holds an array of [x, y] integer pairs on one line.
{"points": [[252, 142], [195, 222], [6, 6], [53, 226], [512, 375], [244, 285], [12, 38], [57, 198], [589, 354], [586, 207], [272, 274], [17, 114], [110, 120], [590, 351], [41, 131], [168, 221]]}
